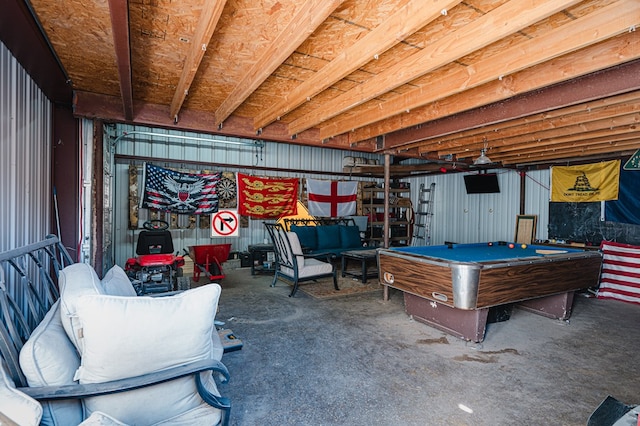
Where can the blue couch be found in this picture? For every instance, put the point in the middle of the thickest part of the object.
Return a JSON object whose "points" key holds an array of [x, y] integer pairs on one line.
{"points": [[329, 240]]}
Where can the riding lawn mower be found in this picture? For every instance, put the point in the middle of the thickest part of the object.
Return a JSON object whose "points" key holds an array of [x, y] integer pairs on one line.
{"points": [[156, 269]]}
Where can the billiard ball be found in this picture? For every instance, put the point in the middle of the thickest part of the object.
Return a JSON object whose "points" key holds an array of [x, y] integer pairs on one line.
{"points": [[511, 245], [489, 244], [524, 246]]}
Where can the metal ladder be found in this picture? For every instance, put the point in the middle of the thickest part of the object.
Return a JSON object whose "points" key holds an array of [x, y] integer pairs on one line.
{"points": [[422, 225]]}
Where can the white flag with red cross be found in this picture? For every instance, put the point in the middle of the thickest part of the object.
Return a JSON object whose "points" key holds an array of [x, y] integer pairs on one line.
{"points": [[331, 198]]}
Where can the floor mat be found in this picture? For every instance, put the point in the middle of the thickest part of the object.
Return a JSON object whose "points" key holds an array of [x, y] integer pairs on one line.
{"points": [[323, 289]]}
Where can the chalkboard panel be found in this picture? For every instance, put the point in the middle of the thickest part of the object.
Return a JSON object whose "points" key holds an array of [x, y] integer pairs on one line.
{"points": [[580, 222]]}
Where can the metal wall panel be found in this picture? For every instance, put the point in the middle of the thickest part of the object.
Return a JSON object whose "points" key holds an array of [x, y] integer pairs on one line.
{"points": [[177, 153], [537, 195], [466, 218], [458, 216], [25, 159]]}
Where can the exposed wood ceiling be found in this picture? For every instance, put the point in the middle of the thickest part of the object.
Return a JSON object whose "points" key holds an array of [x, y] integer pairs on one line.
{"points": [[532, 81]]}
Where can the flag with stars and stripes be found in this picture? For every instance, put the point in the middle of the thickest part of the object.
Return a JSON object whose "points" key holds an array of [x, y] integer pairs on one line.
{"points": [[620, 274], [175, 192]]}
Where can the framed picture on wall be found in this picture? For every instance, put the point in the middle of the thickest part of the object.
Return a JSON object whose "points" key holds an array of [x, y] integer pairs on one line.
{"points": [[525, 228]]}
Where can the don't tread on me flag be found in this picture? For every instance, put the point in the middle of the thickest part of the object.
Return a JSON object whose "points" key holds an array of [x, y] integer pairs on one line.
{"points": [[586, 182]]}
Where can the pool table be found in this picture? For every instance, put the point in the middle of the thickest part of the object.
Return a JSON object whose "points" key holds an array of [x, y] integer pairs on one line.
{"points": [[453, 286]]}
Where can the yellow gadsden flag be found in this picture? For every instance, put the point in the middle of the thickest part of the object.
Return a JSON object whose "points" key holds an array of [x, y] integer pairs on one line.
{"points": [[586, 183]]}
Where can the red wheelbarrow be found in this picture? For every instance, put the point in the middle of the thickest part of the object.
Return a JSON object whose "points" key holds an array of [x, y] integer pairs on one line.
{"points": [[209, 259]]}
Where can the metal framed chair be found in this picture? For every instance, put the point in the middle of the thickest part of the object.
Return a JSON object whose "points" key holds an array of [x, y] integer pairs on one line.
{"points": [[292, 265]]}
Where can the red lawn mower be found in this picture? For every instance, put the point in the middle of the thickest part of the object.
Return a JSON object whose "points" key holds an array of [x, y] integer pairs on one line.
{"points": [[156, 269]]}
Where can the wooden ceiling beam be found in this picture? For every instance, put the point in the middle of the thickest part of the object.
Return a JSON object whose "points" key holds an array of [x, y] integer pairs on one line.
{"points": [[611, 136], [537, 129], [611, 132], [108, 108], [504, 20], [628, 136], [119, 10], [534, 122], [305, 22], [610, 21], [611, 149], [616, 70], [209, 17], [572, 132], [404, 22]]}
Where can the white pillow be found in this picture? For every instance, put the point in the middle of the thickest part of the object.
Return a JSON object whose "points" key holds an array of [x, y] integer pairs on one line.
{"points": [[75, 280], [117, 283], [49, 358], [15, 406], [129, 336]]}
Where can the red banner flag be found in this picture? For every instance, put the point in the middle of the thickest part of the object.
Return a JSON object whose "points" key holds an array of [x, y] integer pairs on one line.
{"points": [[267, 198]]}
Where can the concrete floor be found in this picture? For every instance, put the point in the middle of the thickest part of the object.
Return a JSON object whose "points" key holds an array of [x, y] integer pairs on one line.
{"points": [[357, 360]]}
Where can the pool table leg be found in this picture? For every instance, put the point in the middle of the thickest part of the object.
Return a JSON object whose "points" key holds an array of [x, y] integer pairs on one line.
{"points": [[468, 325], [385, 293], [557, 306]]}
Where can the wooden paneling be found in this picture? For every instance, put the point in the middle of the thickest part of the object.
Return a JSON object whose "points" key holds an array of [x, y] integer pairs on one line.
{"points": [[417, 278], [513, 284]]}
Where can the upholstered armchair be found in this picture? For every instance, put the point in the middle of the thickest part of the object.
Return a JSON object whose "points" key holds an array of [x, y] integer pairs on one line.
{"points": [[99, 354], [292, 264]]}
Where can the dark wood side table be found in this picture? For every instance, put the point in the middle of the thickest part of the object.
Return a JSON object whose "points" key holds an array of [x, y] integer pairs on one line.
{"points": [[258, 256], [366, 259]]}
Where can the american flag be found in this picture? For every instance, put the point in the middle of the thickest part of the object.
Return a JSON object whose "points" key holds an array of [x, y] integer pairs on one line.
{"points": [[183, 193], [620, 275]]}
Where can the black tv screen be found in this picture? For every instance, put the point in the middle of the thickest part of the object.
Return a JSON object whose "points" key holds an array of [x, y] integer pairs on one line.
{"points": [[484, 183]]}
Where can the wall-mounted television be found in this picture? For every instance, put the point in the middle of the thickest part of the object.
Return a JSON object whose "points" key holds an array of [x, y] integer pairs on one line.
{"points": [[482, 183]]}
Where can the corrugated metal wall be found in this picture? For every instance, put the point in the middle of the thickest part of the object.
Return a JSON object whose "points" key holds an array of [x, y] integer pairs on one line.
{"points": [[177, 153], [457, 216], [466, 218], [25, 159]]}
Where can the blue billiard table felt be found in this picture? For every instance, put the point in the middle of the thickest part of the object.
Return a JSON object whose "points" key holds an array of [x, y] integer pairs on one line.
{"points": [[477, 252]]}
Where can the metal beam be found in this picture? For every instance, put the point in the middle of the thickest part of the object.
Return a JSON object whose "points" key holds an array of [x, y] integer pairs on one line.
{"points": [[119, 10]]}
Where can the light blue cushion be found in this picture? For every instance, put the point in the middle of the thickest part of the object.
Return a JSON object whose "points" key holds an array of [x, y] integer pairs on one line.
{"points": [[350, 237], [328, 237], [49, 358], [307, 236]]}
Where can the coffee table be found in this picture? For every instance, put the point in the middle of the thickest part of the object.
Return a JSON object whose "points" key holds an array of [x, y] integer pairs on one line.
{"points": [[366, 258]]}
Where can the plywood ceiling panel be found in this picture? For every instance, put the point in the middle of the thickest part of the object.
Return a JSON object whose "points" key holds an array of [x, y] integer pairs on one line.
{"points": [[450, 78]]}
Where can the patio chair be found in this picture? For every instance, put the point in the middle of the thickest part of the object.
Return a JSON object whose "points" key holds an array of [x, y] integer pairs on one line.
{"points": [[291, 264]]}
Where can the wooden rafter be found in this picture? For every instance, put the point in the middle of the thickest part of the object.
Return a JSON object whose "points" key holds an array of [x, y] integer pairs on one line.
{"points": [[500, 22], [533, 122], [211, 11], [578, 152], [624, 137], [570, 134], [119, 10], [605, 130], [308, 18], [538, 127], [610, 21], [611, 52], [404, 22]]}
